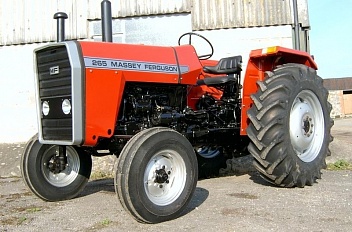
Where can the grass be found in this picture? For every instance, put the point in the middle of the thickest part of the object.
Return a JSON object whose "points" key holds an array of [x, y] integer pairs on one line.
{"points": [[101, 175], [21, 220], [33, 210], [102, 224], [340, 165], [106, 222]]}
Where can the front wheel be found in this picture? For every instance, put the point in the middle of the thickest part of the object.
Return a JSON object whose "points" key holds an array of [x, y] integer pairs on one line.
{"points": [[44, 179], [156, 175], [290, 126]]}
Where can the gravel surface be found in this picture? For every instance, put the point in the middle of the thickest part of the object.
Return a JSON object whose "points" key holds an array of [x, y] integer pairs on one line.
{"points": [[233, 203]]}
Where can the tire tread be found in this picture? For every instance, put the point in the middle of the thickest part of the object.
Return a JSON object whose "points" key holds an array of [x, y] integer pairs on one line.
{"points": [[267, 131]]}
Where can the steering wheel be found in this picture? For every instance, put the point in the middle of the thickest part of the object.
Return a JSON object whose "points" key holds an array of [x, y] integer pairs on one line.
{"points": [[202, 57]]}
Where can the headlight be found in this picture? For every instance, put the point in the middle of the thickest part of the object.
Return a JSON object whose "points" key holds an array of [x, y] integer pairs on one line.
{"points": [[45, 108], [66, 106]]}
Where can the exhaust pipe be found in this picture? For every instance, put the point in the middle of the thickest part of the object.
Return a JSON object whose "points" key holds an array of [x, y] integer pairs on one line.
{"points": [[106, 21], [60, 18]]}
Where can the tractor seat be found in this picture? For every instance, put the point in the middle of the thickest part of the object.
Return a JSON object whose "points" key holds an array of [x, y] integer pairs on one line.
{"points": [[228, 65], [217, 81]]}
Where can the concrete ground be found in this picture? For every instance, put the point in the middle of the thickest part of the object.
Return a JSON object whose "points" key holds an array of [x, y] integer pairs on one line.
{"points": [[233, 203]]}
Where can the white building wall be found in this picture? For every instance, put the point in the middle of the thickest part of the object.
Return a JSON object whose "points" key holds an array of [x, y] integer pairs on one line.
{"points": [[17, 101], [31, 21], [232, 42], [161, 30]]}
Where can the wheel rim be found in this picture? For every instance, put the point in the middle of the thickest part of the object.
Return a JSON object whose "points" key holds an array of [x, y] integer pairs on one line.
{"points": [[165, 177], [68, 175], [208, 152], [307, 126]]}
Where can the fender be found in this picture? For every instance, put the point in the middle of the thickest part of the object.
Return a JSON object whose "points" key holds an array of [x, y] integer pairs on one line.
{"points": [[262, 60]]}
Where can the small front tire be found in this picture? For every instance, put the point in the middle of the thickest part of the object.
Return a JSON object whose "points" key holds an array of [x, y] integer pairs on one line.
{"points": [[49, 185], [156, 175]]}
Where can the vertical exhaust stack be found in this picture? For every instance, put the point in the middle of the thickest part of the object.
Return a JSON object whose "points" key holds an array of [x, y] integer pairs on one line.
{"points": [[106, 21], [60, 17]]}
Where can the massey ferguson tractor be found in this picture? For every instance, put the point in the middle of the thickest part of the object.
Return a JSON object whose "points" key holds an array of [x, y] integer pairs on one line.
{"points": [[169, 115]]}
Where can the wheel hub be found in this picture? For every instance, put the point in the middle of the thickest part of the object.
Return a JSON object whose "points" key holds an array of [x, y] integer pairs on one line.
{"points": [[54, 165], [58, 169], [161, 176], [58, 162], [307, 126]]}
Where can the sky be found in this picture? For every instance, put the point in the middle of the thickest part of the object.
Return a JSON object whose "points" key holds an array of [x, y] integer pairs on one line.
{"points": [[331, 36]]}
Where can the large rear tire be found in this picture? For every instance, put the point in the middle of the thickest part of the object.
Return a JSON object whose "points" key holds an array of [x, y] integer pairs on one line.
{"points": [[49, 185], [290, 126], [156, 175]]}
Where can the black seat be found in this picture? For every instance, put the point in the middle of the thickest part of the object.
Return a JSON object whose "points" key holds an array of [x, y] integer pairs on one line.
{"points": [[214, 81], [228, 65]]}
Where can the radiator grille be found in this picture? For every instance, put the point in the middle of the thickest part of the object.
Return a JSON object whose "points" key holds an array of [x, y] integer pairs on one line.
{"points": [[54, 80]]}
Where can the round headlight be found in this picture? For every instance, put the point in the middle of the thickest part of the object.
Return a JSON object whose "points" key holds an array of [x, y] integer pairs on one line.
{"points": [[45, 108], [66, 106]]}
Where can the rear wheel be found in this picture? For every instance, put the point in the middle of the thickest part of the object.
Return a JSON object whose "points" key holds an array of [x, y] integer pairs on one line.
{"points": [[290, 126], [210, 160], [41, 175], [156, 175]]}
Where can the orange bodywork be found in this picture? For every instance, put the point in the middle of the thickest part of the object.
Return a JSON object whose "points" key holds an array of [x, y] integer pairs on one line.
{"points": [[108, 66], [263, 60]]}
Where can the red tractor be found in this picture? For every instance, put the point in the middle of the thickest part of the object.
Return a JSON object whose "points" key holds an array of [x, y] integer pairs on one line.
{"points": [[170, 114]]}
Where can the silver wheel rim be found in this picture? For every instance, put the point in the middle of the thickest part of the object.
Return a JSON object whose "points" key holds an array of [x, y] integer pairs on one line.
{"points": [[208, 152], [164, 192], [307, 126], [65, 177]]}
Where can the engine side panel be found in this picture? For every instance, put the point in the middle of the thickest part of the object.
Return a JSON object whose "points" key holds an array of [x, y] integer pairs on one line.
{"points": [[109, 66], [104, 89]]}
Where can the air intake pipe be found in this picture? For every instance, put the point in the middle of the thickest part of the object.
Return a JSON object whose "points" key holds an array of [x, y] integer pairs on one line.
{"points": [[106, 21], [60, 18]]}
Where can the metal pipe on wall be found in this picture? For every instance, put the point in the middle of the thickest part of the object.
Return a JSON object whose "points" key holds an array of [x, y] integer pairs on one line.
{"points": [[296, 26]]}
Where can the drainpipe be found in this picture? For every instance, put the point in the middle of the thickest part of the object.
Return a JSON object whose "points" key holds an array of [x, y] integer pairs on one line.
{"points": [[296, 25]]}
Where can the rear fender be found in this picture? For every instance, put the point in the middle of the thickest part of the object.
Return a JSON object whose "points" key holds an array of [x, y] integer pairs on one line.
{"points": [[263, 60]]}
